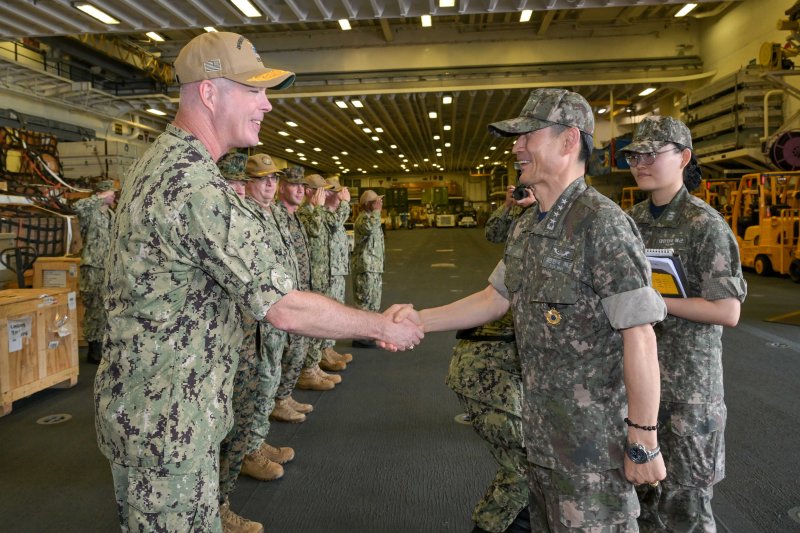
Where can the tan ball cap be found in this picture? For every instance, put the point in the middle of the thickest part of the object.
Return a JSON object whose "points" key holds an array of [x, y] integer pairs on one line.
{"points": [[369, 196], [230, 56], [334, 184], [315, 181], [260, 165]]}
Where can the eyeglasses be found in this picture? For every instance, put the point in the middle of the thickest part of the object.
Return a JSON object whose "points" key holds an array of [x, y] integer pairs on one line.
{"points": [[645, 159]]}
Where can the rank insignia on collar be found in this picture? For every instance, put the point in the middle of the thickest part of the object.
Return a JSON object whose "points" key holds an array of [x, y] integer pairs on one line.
{"points": [[552, 316]]}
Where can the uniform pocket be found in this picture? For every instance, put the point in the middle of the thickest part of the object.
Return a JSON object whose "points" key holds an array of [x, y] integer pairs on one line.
{"points": [[601, 499], [153, 491], [514, 259]]}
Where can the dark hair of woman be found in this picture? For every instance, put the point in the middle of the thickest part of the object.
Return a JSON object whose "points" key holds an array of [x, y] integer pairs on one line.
{"points": [[692, 175]]}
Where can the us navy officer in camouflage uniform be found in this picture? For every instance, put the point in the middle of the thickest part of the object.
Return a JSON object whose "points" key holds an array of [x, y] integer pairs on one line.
{"points": [[292, 193], [95, 216], [692, 413], [368, 253], [578, 281], [499, 222], [186, 255]]}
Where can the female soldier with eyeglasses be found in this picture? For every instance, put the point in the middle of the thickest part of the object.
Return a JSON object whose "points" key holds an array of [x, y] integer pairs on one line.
{"points": [[692, 411]]}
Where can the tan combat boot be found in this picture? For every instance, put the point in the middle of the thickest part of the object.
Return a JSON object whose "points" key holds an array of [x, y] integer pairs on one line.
{"points": [[258, 466], [343, 357], [233, 523], [277, 455], [283, 412], [330, 362], [304, 408], [309, 380], [333, 378]]}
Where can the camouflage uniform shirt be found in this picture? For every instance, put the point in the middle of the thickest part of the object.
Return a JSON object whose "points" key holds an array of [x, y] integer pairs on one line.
{"points": [[368, 252], [339, 244], [185, 251], [690, 353], [574, 279], [299, 243], [95, 223], [318, 245], [500, 221]]}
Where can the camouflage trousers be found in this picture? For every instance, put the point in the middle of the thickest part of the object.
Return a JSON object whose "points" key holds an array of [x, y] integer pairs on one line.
{"points": [[596, 502], [367, 289], [294, 356], [236, 443], [336, 291], [508, 493], [90, 282], [268, 374], [174, 498], [682, 502]]}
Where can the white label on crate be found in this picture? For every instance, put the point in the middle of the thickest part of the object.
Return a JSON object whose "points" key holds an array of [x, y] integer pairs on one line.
{"points": [[71, 300], [18, 330], [52, 345], [73, 271], [47, 300], [54, 278]]}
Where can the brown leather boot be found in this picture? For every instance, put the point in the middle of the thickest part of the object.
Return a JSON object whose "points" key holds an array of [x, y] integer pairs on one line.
{"points": [[304, 408], [283, 412], [344, 357], [278, 455], [309, 380], [257, 466], [233, 523], [333, 378], [331, 363]]}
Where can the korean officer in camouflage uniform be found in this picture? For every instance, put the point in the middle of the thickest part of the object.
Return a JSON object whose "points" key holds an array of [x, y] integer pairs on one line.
{"points": [[368, 253], [247, 382], [291, 195], [578, 281], [485, 373], [692, 413], [186, 260], [95, 216]]}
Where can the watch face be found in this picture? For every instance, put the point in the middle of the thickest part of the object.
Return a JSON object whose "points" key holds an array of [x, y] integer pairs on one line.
{"points": [[637, 454]]}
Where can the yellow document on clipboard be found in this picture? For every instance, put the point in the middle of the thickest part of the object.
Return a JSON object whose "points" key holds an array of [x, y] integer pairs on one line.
{"points": [[669, 276]]}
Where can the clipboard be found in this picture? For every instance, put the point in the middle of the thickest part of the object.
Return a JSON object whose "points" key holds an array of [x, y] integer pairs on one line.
{"points": [[669, 276]]}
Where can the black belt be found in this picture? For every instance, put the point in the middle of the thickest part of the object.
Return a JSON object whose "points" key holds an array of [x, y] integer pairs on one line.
{"points": [[469, 335]]}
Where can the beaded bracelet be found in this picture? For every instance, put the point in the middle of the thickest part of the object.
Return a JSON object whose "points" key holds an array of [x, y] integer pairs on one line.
{"points": [[646, 428]]}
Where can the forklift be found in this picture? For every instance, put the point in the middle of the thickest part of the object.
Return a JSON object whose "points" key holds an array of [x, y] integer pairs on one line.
{"points": [[766, 221]]}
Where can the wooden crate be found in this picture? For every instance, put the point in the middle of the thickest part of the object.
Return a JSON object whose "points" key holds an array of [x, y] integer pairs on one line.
{"points": [[63, 273], [38, 342]]}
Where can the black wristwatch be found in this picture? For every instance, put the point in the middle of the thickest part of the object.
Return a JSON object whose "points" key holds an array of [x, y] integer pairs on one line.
{"points": [[641, 455]]}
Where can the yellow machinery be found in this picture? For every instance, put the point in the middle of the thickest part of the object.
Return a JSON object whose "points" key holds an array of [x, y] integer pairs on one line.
{"points": [[630, 197], [766, 220]]}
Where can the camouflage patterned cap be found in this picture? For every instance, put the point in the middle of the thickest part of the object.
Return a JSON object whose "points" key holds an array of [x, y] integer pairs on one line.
{"points": [[656, 131], [105, 185], [231, 166], [546, 107], [261, 165], [295, 174], [333, 181], [315, 181]]}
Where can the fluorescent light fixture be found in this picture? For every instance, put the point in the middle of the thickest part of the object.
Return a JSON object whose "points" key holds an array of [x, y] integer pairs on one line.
{"points": [[154, 111], [426, 21], [291, 124], [486, 157], [260, 143], [378, 130], [375, 138], [358, 121], [447, 127], [379, 151], [303, 159], [95, 13], [401, 156], [425, 160], [344, 153], [341, 104], [317, 149], [366, 130], [314, 163], [447, 3], [436, 137], [344, 24], [493, 148], [283, 133], [300, 141], [447, 145], [685, 10], [210, 29], [336, 157], [438, 149], [393, 146], [156, 37], [247, 9], [525, 15], [300, 154], [447, 99], [602, 110], [356, 103], [290, 150], [649, 90], [374, 166], [438, 154], [432, 114]]}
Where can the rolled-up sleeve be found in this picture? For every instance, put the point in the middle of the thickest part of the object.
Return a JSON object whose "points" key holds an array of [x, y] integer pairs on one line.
{"points": [[497, 279], [634, 308]]}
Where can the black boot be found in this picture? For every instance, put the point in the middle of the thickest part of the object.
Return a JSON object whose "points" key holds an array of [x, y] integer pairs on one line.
{"points": [[95, 352], [522, 523]]}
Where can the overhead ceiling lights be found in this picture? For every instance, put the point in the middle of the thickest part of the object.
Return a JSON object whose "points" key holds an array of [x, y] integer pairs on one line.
{"points": [[157, 112], [156, 37], [447, 3], [447, 99], [247, 9], [356, 103], [291, 124], [95, 13], [685, 10], [283, 133], [210, 29], [358, 121], [344, 24], [432, 114], [649, 90], [525, 15], [446, 127], [602, 110], [426, 21], [341, 104]]}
